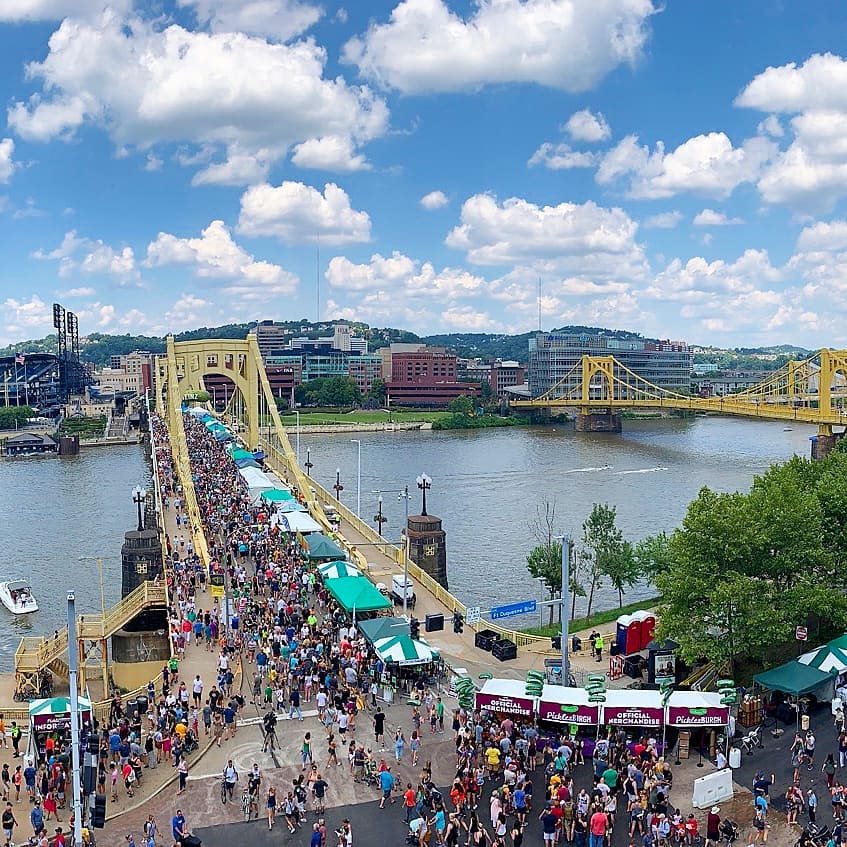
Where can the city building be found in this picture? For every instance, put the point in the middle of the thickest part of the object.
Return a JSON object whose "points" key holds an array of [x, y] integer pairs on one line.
{"points": [[140, 364], [729, 383], [506, 375], [552, 355], [417, 375]]}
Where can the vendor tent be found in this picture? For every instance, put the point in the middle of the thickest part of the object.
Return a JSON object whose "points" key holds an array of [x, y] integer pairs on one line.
{"points": [[405, 650], [354, 593], [320, 547], [827, 658], [277, 495], [795, 678], [379, 628], [257, 483], [198, 412], [247, 463], [298, 522], [334, 570], [223, 435], [284, 506], [241, 454], [54, 713]]}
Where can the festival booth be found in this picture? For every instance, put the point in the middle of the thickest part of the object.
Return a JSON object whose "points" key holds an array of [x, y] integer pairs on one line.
{"points": [[378, 628], [257, 483], [277, 495], [788, 683], [301, 522], [696, 708], [51, 718], [321, 548], [199, 412], [334, 570], [507, 698], [561, 704], [356, 595]]}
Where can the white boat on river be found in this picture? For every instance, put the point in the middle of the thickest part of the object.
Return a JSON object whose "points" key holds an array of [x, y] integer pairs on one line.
{"points": [[16, 595]]}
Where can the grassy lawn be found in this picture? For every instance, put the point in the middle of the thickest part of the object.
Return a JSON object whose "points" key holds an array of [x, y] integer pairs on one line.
{"points": [[361, 416], [597, 619]]}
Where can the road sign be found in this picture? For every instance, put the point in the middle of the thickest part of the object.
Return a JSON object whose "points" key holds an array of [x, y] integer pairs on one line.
{"points": [[526, 607], [801, 633], [472, 615]]}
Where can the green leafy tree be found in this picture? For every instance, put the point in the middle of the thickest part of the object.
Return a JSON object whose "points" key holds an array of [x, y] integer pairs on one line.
{"points": [[652, 555], [604, 544], [377, 392], [14, 416], [461, 405], [621, 567], [336, 391]]}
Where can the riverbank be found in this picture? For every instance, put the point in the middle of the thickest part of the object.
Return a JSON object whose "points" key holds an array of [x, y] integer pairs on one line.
{"points": [[597, 619]]}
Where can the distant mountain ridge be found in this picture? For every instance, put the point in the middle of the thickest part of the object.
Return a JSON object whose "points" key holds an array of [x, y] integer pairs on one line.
{"points": [[98, 348]]}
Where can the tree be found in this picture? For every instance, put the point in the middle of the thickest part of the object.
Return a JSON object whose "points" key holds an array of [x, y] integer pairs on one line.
{"points": [[334, 391], [652, 555], [12, 417], [621, 568], [461, 405], [604, 543], [376, 392]]}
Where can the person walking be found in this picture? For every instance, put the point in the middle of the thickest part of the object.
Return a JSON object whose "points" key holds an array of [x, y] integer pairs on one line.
{"points": [[182, 770], [271, 805], [306, 751], [9, 823], [399, 744]]}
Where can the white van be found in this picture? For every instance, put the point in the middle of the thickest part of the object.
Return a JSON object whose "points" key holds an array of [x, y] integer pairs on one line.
{"points": [[399, 590]]}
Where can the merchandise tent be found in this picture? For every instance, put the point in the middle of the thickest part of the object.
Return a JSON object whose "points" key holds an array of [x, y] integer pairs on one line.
{"points": [[335, 570], [298, 522], [405, 650], [320, 547], [355, 594], [379, 628], [827, 658]]}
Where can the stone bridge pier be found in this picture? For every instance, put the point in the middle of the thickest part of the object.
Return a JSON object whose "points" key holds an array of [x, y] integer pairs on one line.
{"points": [[588, 420]]}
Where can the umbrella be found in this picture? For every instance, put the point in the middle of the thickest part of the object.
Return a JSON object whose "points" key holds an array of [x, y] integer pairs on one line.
{"points": [[405, 650], [334, 570]]}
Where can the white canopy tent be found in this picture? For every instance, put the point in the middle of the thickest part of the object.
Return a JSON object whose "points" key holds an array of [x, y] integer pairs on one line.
{"points": [[300, 522], [257, 482]]}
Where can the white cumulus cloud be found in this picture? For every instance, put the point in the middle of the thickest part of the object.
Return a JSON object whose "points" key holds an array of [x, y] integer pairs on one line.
{"points": [[54, 10], [588, 127], [275, 19], [300, 214], [704, 164], [434, 200], [663, 220], [77, 255], [565, 44], [709, 217], [330, 153], [214, 255], [226, 92], [7, 166], [560, 157]]}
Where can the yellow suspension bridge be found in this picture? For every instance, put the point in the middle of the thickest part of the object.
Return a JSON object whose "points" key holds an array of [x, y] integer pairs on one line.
{"points": [[811, 391]]}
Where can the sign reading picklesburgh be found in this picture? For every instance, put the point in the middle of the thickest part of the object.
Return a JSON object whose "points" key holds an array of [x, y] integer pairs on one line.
{"points": [[703, 716], [564, 713], [523, 706]]}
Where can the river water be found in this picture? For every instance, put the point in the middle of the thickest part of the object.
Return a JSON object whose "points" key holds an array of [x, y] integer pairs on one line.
{"points": [[55, 510], [488, 485]]}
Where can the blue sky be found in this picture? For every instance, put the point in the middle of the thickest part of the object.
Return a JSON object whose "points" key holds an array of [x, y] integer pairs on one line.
{"points": [[678, 170]]}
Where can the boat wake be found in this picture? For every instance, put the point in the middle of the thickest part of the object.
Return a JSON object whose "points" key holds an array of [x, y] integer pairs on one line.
{"points": [[589, 470], [641, 470]]}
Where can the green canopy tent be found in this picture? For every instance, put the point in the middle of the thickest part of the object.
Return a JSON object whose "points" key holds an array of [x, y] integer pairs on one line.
{"points": [[241, 454], [355, 594], [797, 679], [379, 628], [336, 570], [405, 650], [277, 495], [320, 547]]}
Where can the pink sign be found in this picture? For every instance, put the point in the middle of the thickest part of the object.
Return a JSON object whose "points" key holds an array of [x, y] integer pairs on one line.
{"points": [[523, 706], [706, 716], [564, 713], [634, 716]]}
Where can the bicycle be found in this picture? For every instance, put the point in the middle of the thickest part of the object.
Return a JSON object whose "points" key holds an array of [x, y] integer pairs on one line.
{"points": [[222, 782]]}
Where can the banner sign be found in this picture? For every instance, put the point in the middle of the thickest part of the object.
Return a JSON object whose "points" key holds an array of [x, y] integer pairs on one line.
{"points": [[523, 706], [706, 716], [52, 723], [564, 713], [635, 716]]}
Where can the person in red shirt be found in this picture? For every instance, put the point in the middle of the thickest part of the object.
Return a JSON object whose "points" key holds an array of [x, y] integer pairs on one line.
{"points": [[597, 829], [409, 802]]}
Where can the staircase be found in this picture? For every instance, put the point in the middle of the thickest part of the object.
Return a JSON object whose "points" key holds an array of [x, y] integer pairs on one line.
{"points": [[37, 654], [116, 427]]}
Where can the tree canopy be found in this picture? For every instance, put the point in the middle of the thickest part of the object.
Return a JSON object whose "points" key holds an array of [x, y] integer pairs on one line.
{"points": [[332, 391]]}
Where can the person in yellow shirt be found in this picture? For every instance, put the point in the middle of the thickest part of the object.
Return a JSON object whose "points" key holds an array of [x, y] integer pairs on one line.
{"points": [[181, 730], [492, 757]]}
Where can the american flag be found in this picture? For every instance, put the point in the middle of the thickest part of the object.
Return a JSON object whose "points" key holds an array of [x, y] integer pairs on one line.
{"points": [[19, 359]]}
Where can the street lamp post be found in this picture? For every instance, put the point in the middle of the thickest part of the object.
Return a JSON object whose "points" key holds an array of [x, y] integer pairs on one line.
{"points": [[424, 483], [297, 416], [308, 465], [358, 444], [139, 496], [566, 559], [379, 518], [404, 495], [338, 486]]}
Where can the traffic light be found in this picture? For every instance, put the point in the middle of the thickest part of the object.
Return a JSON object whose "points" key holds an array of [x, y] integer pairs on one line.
{"points": [[414, 628], [98, 813], [458, 622], [556, 642]]}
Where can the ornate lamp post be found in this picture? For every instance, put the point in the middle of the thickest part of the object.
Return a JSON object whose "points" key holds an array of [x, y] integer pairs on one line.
{"points": [[338, 486], [308, 463], [139, 497], [379, 518], [424, 483]]}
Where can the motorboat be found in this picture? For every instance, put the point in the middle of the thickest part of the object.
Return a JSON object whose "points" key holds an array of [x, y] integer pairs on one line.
{"points": [[16, 595]]}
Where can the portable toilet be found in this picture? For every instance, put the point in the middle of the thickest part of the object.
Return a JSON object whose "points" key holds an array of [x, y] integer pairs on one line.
{"points": [[647, 621], [623, 632]]}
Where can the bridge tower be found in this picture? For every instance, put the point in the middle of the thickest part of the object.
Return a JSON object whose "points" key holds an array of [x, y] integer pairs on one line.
{"points": [[598, 379]]}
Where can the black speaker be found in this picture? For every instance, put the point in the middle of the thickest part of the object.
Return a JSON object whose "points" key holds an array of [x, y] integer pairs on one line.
{"points": [[434, 623], [484, 639], [504, 650]]}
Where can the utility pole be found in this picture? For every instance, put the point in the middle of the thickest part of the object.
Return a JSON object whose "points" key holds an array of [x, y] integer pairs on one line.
{"points": [[73, 669], [566, 557]]}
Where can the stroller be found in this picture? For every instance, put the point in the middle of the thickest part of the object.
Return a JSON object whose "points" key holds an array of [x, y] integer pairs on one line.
{"points": [[729, 832], [371, 775], [190, 744]]}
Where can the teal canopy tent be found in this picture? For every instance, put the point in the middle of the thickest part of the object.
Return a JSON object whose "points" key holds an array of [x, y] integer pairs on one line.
{"points": [[241, 454], [335, 570], [378, 628], [277, 495], [356, 594], [827, 658], [405, 650], [320, 547], [795, 678]]}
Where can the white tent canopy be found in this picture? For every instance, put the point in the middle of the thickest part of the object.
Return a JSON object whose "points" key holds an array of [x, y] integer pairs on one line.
{"points": [[257, 482], [298, 522]]}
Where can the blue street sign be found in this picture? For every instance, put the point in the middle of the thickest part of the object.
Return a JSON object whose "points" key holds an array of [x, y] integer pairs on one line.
{"points": [[526, 607]]}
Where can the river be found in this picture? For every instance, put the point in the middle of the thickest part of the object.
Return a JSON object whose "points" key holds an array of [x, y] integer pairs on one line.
{"points": [[488, 485], [55, 510]]}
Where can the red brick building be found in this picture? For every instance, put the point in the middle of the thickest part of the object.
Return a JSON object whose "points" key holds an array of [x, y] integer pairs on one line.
{"points": [[425, 376], [506, 375]]}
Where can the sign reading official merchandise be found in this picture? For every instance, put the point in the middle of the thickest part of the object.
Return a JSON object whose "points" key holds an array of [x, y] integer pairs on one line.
{"points": [[634, 716], [523, 706], [526, 607]]}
